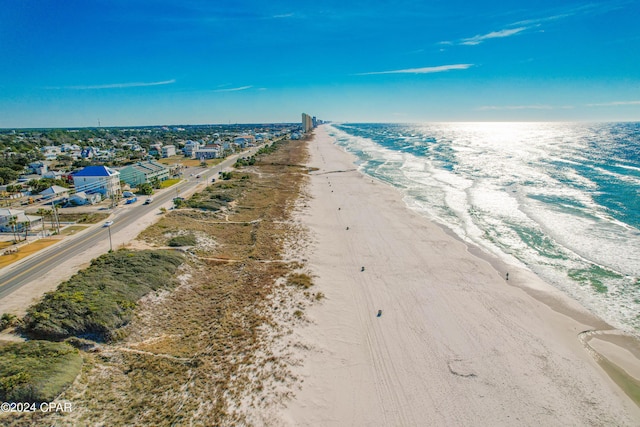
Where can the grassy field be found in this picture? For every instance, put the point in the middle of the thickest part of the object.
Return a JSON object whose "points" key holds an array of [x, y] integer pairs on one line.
{"points": [[97, 301], [73, 229], [36, 371], [168, 183], [83, 218], [205, 352], [25, 250]]}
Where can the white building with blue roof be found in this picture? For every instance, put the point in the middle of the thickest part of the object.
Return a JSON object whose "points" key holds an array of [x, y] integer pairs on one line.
{"points": [[98, 179]]}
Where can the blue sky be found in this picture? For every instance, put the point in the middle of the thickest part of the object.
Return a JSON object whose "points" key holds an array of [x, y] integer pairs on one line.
{"points": [[142, 62]]}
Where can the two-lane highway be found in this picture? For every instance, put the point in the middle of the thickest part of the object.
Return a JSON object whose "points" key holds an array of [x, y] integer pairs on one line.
{"points": [[35, 268]]}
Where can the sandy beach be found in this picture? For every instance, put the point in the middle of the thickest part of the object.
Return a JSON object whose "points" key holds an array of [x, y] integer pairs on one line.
{"points": [[418, 330]]}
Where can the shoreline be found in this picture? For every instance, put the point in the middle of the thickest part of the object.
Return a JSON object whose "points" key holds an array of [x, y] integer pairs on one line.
{"points": [[492, 352]]}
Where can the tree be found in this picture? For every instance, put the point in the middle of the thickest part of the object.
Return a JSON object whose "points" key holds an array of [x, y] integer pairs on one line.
{"points": [[8, 175], [13, 221], [14, 188], [42, 212], [26, 226], [145, 189], [38, 185]]}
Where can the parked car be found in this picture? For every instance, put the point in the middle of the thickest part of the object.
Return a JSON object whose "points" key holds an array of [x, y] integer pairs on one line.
{"points": [[131, 200]]}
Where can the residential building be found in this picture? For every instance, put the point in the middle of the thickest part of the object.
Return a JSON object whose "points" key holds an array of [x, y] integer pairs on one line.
{"points": [[9, 216], [207, 152], [98, 179], [144, 172], [39, 168], [168, 150], [190, 147], [55, 191], [245, 141], [83, 198]]}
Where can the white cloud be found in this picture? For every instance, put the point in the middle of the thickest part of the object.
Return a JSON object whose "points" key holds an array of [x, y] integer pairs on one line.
{"points": [[424, 70], [121, 85], [614, 104], [284, 15], [475, 40], [233, 89]]}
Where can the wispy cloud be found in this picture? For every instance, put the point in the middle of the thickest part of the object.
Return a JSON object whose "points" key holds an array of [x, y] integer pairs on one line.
{"points": [[284, 15], [118, 85], [518, 27], [475, 40], [614, 104], [233, 89], [424, 70]]}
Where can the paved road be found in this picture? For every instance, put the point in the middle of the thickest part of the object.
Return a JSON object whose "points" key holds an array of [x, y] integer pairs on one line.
{"points": [[37, 266]]}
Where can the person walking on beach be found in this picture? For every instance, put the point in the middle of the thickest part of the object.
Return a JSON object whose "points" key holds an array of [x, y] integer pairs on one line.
{"points": [[507, 276]]}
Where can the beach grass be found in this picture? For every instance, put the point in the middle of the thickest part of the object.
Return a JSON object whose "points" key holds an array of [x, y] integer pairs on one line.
{"points": [[97, 301], [202, 352], [36, 371]]}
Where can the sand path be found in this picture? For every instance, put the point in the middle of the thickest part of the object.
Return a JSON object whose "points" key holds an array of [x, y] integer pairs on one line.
{"points": [[455, 345]]}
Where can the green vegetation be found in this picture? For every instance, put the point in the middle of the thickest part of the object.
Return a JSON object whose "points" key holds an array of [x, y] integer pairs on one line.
{"points": [[100, 299], [300, 280], [144, 189], [245, 162], [7, 320], [39, 185], [8, 175], [199, 352], [182, 240], [215, 197], [168, 183], [80, 218], [36, 371], [268, 149]]}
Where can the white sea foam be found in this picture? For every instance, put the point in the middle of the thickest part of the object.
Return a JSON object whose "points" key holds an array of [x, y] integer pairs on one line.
{"points": [[527, 192]]}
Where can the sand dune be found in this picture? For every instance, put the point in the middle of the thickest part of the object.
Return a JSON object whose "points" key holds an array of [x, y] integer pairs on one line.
{"points": [[455, 344]]}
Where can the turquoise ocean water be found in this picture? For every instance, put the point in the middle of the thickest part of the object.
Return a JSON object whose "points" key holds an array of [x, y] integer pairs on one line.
{"points": [[562, 199]]}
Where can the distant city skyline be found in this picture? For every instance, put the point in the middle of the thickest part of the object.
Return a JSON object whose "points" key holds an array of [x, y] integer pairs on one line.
{"points": [[143, 62]]}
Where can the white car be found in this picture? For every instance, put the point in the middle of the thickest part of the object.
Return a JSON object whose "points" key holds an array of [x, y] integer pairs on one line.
{"points": [[149, 200], [108, 224]]}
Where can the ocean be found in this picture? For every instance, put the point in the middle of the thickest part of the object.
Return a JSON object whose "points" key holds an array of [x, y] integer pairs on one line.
{"points": [[562, 199]]}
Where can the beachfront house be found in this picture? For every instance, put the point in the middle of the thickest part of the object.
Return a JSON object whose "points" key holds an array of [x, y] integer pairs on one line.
{"points": [[144, 172], [98, 179]]}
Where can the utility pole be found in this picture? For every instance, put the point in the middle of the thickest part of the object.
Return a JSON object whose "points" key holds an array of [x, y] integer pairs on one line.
{"points": [[55, 214], [110, 243]]}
